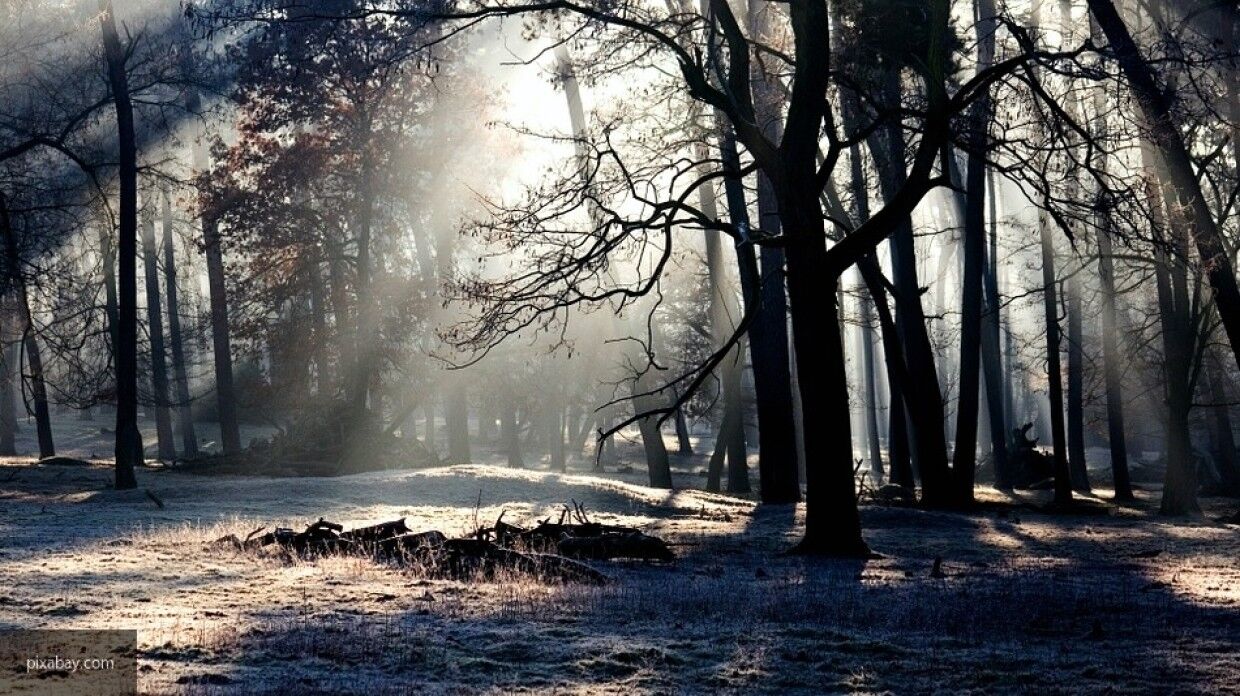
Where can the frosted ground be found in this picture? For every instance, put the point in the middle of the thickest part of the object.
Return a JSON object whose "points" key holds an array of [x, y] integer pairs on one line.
{"points": [[1121, 603]]}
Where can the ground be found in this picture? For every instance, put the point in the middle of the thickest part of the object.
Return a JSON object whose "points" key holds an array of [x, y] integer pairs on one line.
{"points": [[1125, 602]]}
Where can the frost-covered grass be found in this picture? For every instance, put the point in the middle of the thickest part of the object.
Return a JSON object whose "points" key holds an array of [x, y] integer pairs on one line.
{"points": [[1028, 602]]}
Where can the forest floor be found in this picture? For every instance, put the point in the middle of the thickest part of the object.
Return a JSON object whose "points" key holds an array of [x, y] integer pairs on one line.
{"points": [[1028, 602]]}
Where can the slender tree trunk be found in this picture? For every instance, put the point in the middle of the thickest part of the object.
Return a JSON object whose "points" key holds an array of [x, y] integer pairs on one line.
{"points": [[1224, 436], [874, 447], [922, 397], [1112, 365], [155, 329], [8, 413], [684, 446], [128, 437], [185, 418], [1076, 389], [1063, 478], [723, 316], [16, 282], [779, 479]]}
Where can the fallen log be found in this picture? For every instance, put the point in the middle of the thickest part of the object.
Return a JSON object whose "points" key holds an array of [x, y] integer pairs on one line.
{"points": [[392, 542], [609, 546]]}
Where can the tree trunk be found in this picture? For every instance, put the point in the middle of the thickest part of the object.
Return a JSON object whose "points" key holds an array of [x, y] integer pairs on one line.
{"points": [[128, 437], [832, 523], [16, 282], [873, 446], [778, 476], [185, 418], [1112, 365], [998, 412], [155, 330], [684, 446], [722, 312], [1063, 478], [1224, 436], [8, 412], [1076, 388], [657, 462], [922, 397]]}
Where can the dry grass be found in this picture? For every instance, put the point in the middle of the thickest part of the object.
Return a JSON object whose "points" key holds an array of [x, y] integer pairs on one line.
{"points": [[1029, 602]]}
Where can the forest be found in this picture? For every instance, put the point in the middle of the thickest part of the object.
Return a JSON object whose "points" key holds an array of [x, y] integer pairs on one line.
{"points": [[620, 346]]}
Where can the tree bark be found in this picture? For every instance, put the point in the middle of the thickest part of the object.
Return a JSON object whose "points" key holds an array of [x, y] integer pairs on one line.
{"points": [[778, 476], [180, 378], [1076, 388], [1063, 477], [8, 411], [128, 437], [1112, 362], [16, 283], [155, 329]]}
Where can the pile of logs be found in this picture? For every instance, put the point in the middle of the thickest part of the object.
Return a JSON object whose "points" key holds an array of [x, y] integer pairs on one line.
{"points": [[574, 535], [549, 551]]}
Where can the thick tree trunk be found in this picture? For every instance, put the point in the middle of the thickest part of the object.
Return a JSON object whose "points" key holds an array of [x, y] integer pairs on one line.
{"points": [[128, 437], [657, 462], [180, 378], [155, 329], [1179, 495], [832, 523]]}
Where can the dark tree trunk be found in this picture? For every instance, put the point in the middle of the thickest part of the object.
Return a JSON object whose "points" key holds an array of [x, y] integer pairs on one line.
{"points": [[8, 412], [763, 283], [998, 412], [922, 397], [1063, 478], [893, 356], [684, 446], [155, 329], [873, 445], [731, 434], [128, 437], [185, 418], [221, 341], [1076, 389], [832, 523], [964, 459], [16, 283], [1223, 435], [1113, 362]]}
